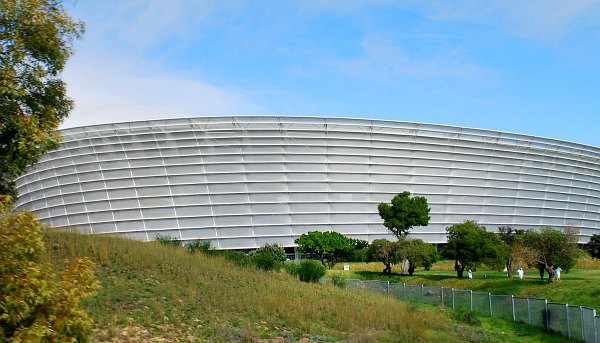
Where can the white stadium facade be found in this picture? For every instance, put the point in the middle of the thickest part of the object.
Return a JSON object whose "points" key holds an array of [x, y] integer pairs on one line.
{"points": [[243, 181]]}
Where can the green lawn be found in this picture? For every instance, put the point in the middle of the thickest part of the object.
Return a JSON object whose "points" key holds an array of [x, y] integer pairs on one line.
{"points": [[577, 287]]}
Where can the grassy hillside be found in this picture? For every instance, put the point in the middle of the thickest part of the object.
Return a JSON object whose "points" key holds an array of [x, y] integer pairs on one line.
{"points": [[155, 293]]}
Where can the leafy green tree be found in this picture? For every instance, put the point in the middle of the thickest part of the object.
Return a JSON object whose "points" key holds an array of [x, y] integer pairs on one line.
{"points": [[329, 247], [36, 38], [268, 257], [404, 213], [470, 246], [553, 249], [34, 306], [418, 253], [518, 254], [593, 246], [384, 251]]}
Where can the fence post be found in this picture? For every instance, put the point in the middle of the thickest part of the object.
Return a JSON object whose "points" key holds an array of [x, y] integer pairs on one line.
{"points": [[471, 300], [490, 300], [546, 323], [453, 298], [568, 322], [404, 290], [582, 322], [388, 289], [528, 312], [512, 300], [422, 292], [443, 303]]}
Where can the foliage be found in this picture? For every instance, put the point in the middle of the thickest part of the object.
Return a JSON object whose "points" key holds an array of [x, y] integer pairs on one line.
{"points": [[465, 315], [268, 257], [34, 306], [339, 281], [553, 249], [36, 38], [329, 247], [470, 246], [384, 251], [593, 246], [418, 253], [198, 245], [310, 270], [167, 240], [518, 254], [404, 213]]}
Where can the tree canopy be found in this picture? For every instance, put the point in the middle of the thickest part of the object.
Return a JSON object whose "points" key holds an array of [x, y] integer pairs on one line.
{"points": [[384, 251], [330, 247], [418, 253], [36, 38], [594, 246], [553, 249], [404, 213], [471, 245]]}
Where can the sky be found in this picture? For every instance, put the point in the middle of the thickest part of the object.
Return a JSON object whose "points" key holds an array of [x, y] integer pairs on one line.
{"points": [[530, 67]]}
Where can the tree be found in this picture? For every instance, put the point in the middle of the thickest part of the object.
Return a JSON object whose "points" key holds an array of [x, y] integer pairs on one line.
{"points": [[36, 38], [593, 246], [404, 213], [517, 253], [470, 246], [34, 306], [384, 251], [330, 247], [418, 253], [553, 249]]}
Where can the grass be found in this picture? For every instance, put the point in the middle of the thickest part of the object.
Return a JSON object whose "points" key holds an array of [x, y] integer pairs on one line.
{"points": [[579, 286], [153, 293]]}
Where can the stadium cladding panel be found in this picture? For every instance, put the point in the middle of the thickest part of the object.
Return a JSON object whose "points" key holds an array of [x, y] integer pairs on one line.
{"points": [[243, 181]]}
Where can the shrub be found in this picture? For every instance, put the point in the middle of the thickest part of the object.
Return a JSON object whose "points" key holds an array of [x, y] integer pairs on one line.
{"points": [[167, 240], [34, 305], [310, 270], [237, 257], [268, 257], [198, 245], [465, 315], [291, 267]]}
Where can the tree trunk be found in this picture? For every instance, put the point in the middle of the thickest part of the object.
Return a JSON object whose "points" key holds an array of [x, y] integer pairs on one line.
{"points": [[509, 268], [551, 274], [411, 270], [388, 268], [459, 269]]}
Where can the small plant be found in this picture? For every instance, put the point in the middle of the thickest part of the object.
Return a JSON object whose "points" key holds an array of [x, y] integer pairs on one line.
{"points": [[198, 245], [465, 315], [167, 240], [310, 270], [291, 267], [339, 281]]}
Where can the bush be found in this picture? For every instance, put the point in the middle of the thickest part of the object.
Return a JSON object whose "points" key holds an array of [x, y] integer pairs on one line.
{"points": [[465, 315], [310, 270], [198, 245], [34, 305], [268, 257], [291, 267], [167, 240], [237, 257]]}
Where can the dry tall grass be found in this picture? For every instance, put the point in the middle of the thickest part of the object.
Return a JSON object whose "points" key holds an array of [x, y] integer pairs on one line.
{"points": [[149, 290]]}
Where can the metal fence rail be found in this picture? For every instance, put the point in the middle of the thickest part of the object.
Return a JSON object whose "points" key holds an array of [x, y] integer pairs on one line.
{"points": [[575, 322]]}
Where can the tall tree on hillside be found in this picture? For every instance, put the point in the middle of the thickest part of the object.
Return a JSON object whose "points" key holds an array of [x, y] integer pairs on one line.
{"points": [[554, 248], [471, 245], [36, 38], [404, 213]]}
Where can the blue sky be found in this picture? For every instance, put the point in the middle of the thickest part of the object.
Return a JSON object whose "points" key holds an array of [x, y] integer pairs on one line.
{"points": [[530, 67]]}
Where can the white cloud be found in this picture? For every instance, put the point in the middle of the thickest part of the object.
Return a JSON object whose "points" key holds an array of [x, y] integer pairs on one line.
{"points": [[385, 61], [130, 90]]}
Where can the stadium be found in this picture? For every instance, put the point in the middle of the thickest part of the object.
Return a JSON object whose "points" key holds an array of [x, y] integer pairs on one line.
{"points": [[243, 181]]}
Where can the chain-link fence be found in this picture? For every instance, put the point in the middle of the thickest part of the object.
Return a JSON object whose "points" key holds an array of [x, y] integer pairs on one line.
{"points": [[575, 322]]}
